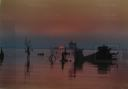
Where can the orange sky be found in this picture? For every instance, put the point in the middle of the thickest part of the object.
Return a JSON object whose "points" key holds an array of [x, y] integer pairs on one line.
{"points": [[64, 17]]}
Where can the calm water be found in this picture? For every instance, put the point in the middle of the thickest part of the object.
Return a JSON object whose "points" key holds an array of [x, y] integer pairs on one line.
{"points": [[43, 74]]}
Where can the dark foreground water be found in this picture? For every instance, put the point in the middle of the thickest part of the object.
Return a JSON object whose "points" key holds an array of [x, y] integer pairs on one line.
{"points": [[45, 74]]}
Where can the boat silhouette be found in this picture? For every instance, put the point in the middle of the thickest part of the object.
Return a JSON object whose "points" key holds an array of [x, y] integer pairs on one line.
{"points": [[103, 59], [104, 54]]}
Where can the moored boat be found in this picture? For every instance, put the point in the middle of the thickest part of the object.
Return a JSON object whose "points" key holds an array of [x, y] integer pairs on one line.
{"points": [[103, 55]]}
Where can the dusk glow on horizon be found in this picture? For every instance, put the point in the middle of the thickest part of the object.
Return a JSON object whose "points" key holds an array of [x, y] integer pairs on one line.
{"points": [[63, 44], [67, 19]]}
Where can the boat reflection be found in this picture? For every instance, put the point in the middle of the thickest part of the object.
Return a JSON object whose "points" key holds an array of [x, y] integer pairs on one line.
{"points": [[103, 67], [103, 59]]}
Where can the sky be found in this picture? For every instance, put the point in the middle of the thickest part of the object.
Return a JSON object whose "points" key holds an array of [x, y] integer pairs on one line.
{"points": [[54, 22]]}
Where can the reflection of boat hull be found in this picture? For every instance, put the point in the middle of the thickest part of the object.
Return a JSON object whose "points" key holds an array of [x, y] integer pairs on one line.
{"points": [[108, 61], [99, 59], [100, 56]]}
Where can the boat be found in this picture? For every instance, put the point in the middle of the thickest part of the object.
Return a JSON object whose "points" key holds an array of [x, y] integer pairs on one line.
{"points": [[104, 54]]}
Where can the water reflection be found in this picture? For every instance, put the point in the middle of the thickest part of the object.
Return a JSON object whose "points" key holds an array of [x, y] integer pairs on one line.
{"points": [[80, 71], [27, 67], [78, 61], [104, 67], [1, 56]]}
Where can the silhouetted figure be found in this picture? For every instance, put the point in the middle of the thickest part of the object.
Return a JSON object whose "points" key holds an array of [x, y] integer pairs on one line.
{"points": [[64, 60], [1, 56], [28, 47], [28, 52], [52, 58]]}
